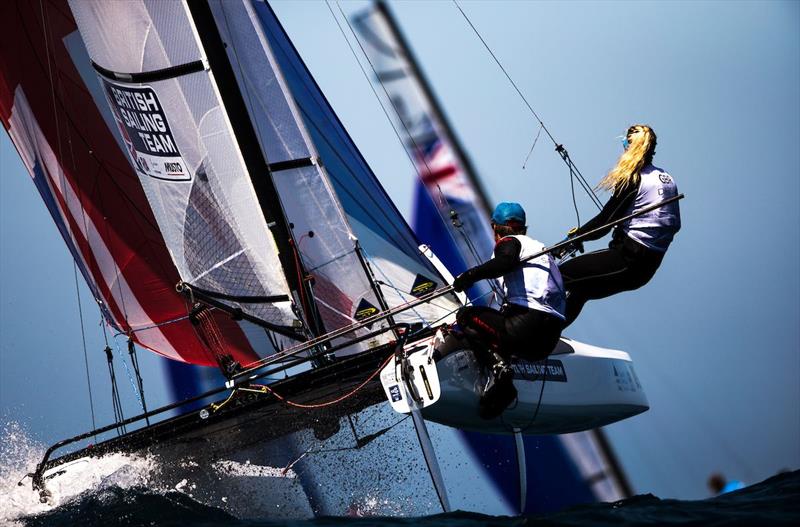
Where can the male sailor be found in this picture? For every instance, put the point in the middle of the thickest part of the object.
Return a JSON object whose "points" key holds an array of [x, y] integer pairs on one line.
{"points": [[529, 323]]}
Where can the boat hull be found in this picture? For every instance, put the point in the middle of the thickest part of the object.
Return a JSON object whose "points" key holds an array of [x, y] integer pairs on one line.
{"points": [[578, 387]]}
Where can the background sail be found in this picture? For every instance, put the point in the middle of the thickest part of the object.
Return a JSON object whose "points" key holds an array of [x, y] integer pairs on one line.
{"points": [[577, 467], [62, 128], [447, 183], [389, 246]]}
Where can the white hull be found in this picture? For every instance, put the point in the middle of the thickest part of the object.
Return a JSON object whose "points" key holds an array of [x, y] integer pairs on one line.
{"points": [[584, 387]]}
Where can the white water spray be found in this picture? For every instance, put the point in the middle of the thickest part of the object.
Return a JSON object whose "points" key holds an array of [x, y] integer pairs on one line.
{"points": [[19, 454]]}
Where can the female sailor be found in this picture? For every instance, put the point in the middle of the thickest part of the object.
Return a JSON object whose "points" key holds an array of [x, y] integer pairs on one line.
{"points": [[529, 323], [638, 245]]}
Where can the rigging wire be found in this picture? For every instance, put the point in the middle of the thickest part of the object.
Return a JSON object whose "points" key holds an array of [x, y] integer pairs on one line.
{"points": [[416, 147], [128, 371], [532, 420], [139, 381], [153, 326], [459, 226], [455, 220], [535, 140], [115, 398], [574, 172], [83, 339], [47, 44]]}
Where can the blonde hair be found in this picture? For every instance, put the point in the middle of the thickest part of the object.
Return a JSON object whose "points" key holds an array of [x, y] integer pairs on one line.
{"points": [[640, 152]]}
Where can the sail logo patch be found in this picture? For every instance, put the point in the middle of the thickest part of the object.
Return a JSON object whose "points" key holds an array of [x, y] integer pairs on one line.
{"points": [[146, 132], [550, 369], [422, 286], [365, 310]]}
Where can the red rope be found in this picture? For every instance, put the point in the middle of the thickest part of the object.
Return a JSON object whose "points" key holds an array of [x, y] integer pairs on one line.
{"points": [[284, 400]]}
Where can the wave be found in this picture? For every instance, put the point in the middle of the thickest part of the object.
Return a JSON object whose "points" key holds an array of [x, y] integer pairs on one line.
{"points": [[116, 489], [772, 502], [19, 455]]}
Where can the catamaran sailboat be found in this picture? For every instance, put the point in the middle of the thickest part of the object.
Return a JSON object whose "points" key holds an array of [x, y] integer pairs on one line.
{"points": [[222, 216]]}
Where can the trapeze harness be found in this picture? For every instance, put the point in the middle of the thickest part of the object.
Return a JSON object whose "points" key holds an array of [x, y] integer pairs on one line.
{"points": [[529, 323], [636, 249]]}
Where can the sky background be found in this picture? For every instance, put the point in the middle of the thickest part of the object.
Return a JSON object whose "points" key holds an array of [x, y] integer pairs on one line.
{"points": [[715, 336]]}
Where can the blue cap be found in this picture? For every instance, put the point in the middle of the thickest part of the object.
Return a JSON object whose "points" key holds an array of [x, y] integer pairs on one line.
{"points": [[507, 213]]}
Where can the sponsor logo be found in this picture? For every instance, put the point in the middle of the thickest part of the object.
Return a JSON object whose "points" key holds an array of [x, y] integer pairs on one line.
{"points": [[145, 131], [664, 178], [422, 286], [550, 370], [394, 393], [364, 311]]}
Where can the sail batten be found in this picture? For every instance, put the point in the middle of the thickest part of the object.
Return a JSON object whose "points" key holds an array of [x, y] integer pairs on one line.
{"points": [[154, 75]]}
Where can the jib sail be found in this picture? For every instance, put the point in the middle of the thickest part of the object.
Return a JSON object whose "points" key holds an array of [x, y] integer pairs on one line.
{"points": [[362, 255]]}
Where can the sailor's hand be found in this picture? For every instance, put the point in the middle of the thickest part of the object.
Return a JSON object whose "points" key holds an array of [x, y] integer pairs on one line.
{"points": [[568, 248], [575, 247], [463, 281]]}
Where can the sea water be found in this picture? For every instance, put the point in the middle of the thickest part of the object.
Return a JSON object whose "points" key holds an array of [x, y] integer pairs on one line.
{"points": [[115, 490]]}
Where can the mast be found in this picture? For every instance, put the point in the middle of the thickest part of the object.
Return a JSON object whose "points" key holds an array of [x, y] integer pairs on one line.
{"points": [[255, 160]]}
